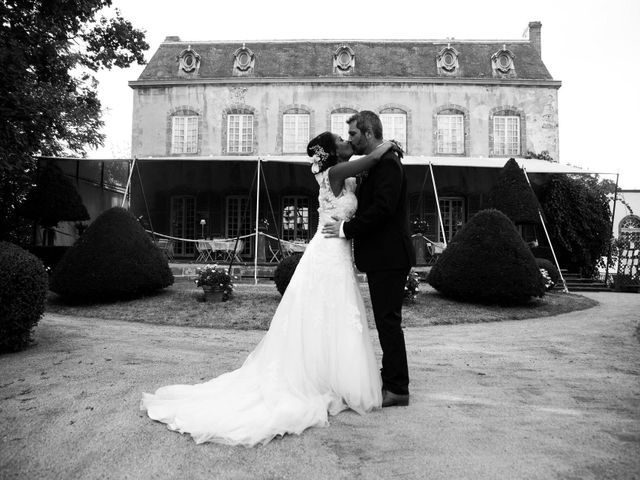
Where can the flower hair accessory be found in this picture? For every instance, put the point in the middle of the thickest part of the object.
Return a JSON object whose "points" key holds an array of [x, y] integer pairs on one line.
{"points": [[318, 159]]}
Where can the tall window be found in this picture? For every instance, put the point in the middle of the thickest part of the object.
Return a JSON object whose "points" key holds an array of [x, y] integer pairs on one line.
{"points": [[394, 126], [450, 136], [295, 218], [452, 210], [240, 133], [295, 134], [184, 134], [183, 223], [238, 219], [339, 124], [506, 135]]}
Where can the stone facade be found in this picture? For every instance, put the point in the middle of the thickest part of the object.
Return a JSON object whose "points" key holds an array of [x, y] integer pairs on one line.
{"points": [[536, 106], [205, 83]]}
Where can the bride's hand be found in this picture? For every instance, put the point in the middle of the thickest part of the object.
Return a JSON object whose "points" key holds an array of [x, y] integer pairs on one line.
{"points": [[387, 145], [395, 146]]}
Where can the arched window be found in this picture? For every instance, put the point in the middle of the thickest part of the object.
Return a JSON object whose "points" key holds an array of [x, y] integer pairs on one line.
{"points": [[451, 130], [506, 132], [239, 130], [295, 131], [630, 222], [394, 125], [339, 119], [184, 131]]}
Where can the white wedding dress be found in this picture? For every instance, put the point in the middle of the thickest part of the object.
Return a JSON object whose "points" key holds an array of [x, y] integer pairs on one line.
{"points": [[316, 358]]}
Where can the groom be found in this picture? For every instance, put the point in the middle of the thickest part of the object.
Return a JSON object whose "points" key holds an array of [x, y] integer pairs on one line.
{"points": [[382, 249]]}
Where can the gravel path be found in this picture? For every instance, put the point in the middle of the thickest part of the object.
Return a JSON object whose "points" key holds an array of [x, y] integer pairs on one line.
{"points": [[557, 397]]}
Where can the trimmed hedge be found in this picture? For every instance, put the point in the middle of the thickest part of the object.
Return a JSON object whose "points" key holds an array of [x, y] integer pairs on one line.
{"points": [[488, 262], [513, 196], [23, 288], [284, 272], [113, 259]]}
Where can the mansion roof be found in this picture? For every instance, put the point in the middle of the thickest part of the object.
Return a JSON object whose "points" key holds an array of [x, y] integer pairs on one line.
{"points": [[181, 61]]}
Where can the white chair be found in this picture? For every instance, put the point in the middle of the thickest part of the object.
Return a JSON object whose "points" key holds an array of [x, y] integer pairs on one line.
{"points": [[435, 250], [204, 251], [234, 254], [166, 246], [274, 253]]}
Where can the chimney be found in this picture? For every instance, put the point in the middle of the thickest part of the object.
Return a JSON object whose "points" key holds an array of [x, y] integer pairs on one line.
{"points": [[535, 37]]}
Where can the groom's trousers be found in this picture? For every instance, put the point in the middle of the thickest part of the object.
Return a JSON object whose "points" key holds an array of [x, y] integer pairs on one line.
{"points": [[386, 288]]}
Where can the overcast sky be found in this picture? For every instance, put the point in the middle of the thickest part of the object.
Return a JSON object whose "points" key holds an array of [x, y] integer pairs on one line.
{"points": [[593, 47]]}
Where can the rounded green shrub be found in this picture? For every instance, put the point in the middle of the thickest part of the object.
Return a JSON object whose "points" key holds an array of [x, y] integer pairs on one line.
{"points": [[113, 259], [284, 272], [487, 262], [551, 269], [23, 288]]}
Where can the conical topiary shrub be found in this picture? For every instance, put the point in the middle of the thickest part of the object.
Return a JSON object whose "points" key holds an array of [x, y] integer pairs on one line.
{"points": [[488, 262], [113, 259], [513, 196]]}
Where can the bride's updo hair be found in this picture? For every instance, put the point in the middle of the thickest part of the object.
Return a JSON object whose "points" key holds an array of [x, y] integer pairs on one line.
{"points": [[323, 151]]}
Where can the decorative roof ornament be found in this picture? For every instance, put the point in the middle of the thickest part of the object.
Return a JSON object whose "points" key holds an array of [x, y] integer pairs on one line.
{"points": [[344, 60], [243, 61], [447, 60], [188, 60], [502, 63]]}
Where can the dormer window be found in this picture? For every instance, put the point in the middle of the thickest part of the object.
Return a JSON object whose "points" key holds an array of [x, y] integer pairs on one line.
{"points": [[502, 62], [188, 60], [344, 60], [243, 61], [447, 60]]}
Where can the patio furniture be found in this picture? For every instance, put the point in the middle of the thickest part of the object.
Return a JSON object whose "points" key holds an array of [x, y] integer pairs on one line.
{"points": [[234, 254], [166, 246], [205, 253], [289, 248], [223, 248], [274, 253], [435, 249]]}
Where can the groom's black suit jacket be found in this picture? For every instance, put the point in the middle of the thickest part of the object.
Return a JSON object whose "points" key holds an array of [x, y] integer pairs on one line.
{"points": [[380, 227]]}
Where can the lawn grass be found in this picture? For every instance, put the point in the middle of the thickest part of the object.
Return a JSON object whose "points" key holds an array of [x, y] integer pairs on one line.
{"points": [[252, 307]]}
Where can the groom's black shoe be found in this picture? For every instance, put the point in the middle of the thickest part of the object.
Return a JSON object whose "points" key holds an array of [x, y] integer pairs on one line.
{"points": [[390, 399]]}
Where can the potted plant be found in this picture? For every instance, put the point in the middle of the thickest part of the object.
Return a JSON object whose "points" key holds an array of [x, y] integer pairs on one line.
{"points": [[215, 282], [419, 225], [411, 286]]}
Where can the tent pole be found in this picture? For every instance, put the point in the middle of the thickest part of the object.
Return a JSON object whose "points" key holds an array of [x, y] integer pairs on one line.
{"points": [[435, 192], [126, 189], [613, 216], [255, 255], [544, 227]]}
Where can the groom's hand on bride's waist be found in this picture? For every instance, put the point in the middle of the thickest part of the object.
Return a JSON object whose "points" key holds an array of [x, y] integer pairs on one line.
{"points": [[333, 229]]}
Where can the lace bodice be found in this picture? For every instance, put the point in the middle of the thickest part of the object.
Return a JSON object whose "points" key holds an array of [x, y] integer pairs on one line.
{"points": [[343, 206]]}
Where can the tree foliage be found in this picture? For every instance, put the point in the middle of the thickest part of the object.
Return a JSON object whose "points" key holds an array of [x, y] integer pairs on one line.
{"points": [[578, 218], [53, 199], [513, 196], [49, 50]]}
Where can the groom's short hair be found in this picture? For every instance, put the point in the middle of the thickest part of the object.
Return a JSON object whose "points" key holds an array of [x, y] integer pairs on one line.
{"points": [[366, 120]]}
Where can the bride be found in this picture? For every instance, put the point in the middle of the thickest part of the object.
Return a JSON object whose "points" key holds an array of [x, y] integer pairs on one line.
{"points": [[316, 359]]}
